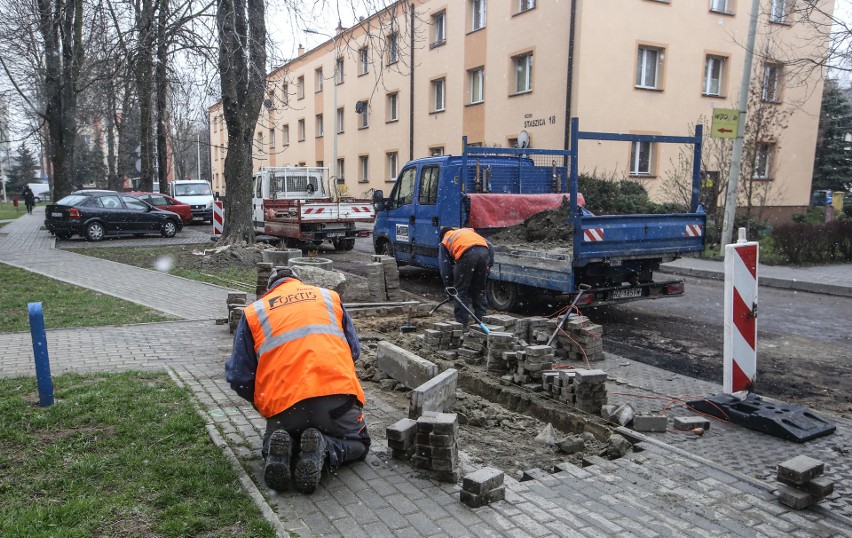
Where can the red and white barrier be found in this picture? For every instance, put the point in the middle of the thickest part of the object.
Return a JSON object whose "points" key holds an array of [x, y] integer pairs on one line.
{"points": [[740, 350], [218, 218]]}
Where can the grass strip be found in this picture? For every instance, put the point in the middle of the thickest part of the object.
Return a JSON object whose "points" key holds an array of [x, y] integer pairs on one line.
{"points": [[64, 305], [116, 455]]}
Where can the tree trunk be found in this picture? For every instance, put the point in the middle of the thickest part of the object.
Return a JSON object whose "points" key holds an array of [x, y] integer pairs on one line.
{"points": [[144, 89], [162, 96], [113, 182], [242, 68]]}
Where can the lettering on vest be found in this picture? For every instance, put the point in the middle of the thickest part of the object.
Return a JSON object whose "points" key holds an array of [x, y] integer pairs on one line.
{"points": [[294, 298]]}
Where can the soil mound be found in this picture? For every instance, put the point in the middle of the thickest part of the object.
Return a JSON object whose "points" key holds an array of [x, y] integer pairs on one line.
{"points": [[547, 226]]}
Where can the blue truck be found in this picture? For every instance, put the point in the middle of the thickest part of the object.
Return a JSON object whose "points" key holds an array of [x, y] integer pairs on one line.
{"points": [[495, 189]]}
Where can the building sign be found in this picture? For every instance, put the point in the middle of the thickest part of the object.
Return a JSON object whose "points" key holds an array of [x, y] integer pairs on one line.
{"points": [[724, 124], [530, 121]]}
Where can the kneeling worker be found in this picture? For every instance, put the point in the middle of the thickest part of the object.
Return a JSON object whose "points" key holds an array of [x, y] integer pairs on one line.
{"points": [[464, 259], [294, 358]]}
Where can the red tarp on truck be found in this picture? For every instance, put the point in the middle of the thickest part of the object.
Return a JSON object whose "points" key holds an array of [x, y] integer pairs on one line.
{"points": [[492, 210]]}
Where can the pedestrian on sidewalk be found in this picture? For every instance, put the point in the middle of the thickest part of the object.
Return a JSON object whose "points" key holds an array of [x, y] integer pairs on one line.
{"points": [[294, 359], [29, 198], [464, 259]]}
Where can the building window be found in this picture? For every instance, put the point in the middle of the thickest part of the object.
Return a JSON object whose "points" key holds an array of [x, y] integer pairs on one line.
{"points": [[393, 165], [338, 71], [259, 142], [319, 132], [364, 117], [393, 48], [300, 87], [778, 11], [648, 65], [340, 117], [523, 73], [477, 14], [640, 158], [393, 107], [272, 137], [339, 171], [364, 169], [436, 151], [439, 28], [285, 94], [318, 80], [363, 61], [302, 130], [771, 91], [286, 134], [477, 85], [720, 6], [714, 70], [763, 161], [439, 88], [525, 5]]}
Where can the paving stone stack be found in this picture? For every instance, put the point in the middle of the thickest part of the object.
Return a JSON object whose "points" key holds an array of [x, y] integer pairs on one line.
{"points": [[376, 282], [590, 390], [473, 346], [533, 361], [264, 271], [539, 330], [391, 276], [436, 445], [401, 438], [500, 351], [236, 304], [483, 487], [582, 336], [443, 336], [802, 483]]}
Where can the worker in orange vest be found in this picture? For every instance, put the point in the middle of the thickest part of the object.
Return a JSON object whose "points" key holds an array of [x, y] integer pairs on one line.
{"points": [[294, 358], [464, 260]]}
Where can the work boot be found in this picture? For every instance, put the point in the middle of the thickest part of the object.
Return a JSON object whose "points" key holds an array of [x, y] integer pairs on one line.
{"points": [[276, 473], [311, 459]]}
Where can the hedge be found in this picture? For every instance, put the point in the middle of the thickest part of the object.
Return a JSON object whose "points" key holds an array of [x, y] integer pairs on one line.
{"points": [[814, 243]]}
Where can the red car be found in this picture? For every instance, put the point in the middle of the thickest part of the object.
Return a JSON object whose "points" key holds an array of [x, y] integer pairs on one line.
{"points": [[164, 201]]}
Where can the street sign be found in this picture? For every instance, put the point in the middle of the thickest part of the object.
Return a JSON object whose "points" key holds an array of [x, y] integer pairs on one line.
{"points": [[724, 124]]}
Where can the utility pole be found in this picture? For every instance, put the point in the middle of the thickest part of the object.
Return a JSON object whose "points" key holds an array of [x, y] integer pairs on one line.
{"points": [[198, 155], [737, 156]]}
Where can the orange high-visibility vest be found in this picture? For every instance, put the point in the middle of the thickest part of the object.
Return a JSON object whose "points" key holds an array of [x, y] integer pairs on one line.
{"points": [[457, 241], [301, 349]]}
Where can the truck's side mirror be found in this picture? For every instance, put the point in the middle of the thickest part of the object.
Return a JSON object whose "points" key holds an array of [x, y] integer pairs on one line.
{"points": [[379, 199]]}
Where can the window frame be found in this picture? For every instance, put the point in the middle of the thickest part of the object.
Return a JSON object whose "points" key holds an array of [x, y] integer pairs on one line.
{"points": [[642, 63], [480, 86], [722, 62], [392, 101], [340, 169], [300, 87], [766, 157], [391, 165], [393, 48], [528, 59], [636, 159], [777, 70], [364, 118], [439, 95], [301, 130], [338, 71], [525, 5], [779, 5], [341, 115], [439, 29], [726, 9], [285, 130], [319, 126], [427, 192], [477, 15], [363, 61], [318, 80], [272, 137], [363, 169]]}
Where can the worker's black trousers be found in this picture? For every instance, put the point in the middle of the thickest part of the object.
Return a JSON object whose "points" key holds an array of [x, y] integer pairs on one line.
{"points": [[339, 417], [469, 277]]}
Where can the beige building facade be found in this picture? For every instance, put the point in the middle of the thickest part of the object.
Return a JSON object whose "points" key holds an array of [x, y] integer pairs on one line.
{"points": [[405, 84]]}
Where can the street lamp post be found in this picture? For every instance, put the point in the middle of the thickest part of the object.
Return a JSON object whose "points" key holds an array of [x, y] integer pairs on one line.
{"points": [[334, 99]]}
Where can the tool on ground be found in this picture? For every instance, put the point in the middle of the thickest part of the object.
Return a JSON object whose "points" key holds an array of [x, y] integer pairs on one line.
{"points": [[454, 294], [582, 288], [408, 327], [439, 305]]}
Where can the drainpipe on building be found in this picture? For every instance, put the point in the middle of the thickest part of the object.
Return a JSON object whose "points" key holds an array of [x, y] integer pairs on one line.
{"points": [[570, 81], [411, 92]]}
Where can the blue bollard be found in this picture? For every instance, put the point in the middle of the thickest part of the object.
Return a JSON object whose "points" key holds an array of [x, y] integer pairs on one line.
{"points": [[42, 361]]}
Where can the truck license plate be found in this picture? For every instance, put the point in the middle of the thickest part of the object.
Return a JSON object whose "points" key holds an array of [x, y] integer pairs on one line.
{"points": [[627, 293], [334, 234], [57, 215]]}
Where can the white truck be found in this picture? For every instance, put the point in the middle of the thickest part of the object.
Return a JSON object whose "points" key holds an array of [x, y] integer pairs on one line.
{"points": [[294, 203], [195, 192]]}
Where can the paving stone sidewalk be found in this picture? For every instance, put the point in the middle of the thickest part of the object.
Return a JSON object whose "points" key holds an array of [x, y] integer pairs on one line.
{"points": [[660, 490]]}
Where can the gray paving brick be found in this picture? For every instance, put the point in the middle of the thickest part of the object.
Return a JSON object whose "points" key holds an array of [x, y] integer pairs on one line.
{"points": [[422, 522], [378, 530], [391, 518]]}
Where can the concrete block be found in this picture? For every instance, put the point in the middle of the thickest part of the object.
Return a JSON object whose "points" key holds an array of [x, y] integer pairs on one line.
{"points": [[403, 365], [533, 474], [795, 498], [800, 469], [402, 430], [650, 423], [436, 394], [819, 487], [483, 480], [690, 423], [590, 376], [450, 477], [472, 500], [437, 440]]}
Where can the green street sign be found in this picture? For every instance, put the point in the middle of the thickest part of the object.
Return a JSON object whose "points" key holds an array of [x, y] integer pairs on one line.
{"points": [[724, 124]]}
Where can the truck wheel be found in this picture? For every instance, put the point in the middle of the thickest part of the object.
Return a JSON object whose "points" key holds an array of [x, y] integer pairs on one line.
{"points": [[503, 296], [343, 244]]}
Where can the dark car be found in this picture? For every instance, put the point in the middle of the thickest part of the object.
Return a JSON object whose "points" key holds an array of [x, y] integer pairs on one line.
{"points": [[164, 201], [93, 214]]}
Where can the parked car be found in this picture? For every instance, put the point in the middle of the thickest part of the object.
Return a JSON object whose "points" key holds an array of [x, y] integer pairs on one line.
{"points": [[94, 214], [164, 201]]}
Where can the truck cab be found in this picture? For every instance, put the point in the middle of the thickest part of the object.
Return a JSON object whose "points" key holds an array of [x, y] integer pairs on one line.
{"points": [[285, 183], [197, 193]]}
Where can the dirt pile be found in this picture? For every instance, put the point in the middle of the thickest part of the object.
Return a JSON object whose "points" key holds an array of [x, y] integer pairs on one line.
{"points": [[547, 226], [244, 257]]}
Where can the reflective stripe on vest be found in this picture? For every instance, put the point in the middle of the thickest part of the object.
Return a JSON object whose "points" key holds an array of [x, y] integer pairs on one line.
{"points": [[458, 241], [272, 341]]}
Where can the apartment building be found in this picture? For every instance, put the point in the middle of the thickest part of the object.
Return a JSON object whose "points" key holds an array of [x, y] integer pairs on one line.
{"points": [[407, 83]]}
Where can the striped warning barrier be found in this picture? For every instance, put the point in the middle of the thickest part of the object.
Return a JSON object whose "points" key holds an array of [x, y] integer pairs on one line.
{"points": [[218, 218], [593, 234], [694, 230], [740, 348]]}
